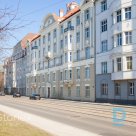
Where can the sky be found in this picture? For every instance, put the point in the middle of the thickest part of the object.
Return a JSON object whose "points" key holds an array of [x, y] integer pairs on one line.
{"points": [[31, 14]]}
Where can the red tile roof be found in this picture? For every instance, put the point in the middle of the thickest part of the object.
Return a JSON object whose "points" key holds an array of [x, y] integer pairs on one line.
{"points": [[70, 13], [29, 37]]}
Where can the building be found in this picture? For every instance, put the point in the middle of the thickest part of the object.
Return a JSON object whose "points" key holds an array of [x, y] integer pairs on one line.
{"points": [[15, 69], [19, 60], [1, 78], [61, 58], [8, 75], [115, 51]]}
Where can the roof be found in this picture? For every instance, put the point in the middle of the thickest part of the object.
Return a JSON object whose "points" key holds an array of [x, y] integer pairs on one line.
{"points": [[29, 37], [35, 37], [70, 13]]}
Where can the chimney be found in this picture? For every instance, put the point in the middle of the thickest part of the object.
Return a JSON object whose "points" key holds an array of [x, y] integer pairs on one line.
{"points": [[61, 12]]}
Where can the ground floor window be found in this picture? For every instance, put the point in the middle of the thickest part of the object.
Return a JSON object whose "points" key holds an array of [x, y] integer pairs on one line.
{"points": [[87, 91], [117, 89], [78, 91], [104, 89], [131, 88], [61, 91], [54, 91], [69, 92]]}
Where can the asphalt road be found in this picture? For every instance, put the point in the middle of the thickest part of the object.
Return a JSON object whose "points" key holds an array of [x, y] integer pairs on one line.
{"points": [[86, 116]]}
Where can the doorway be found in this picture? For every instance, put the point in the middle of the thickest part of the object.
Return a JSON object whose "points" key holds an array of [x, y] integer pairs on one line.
{"points": [[48, 92]]}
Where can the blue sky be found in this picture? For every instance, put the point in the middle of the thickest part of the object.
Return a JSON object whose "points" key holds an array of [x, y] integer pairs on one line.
{"points": [[32, 11]]}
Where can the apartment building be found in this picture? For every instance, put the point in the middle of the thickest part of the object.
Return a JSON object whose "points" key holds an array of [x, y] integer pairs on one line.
{"points": [[1, 78], [61, 57], [8, 75], [116, 51]]}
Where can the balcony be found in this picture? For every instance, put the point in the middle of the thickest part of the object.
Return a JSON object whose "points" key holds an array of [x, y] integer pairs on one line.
{"points": [[34, 47], [123, 75], [69, 29]]}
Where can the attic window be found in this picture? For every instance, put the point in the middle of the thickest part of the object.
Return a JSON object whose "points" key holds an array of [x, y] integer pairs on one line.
{"points": [[86, 1]]}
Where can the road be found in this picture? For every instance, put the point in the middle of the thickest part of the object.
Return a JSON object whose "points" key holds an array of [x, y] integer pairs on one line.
{"points": [[92, 117]]}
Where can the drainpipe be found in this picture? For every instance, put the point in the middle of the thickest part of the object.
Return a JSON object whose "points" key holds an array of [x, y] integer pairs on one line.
{"points": [[94, 42]]}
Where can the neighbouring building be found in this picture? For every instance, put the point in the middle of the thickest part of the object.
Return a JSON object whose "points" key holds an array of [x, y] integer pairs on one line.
{"points": [[61, 58], [1, 78], [116, 51], [15, 67], [8, 75]]}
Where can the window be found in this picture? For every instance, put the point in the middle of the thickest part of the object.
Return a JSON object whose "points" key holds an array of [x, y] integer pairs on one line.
{"points": [[104, 45], [78, 55], [128, 37], [131, 88], [66, 57], [66, 75], [44, 39], [54, 76], [70, 54], [69, 24], [70, 38], [55, 33], [87, 16], [104, 25], [39, 65], [43, 51], [78, 20], [78, 73], [117, 89], [61, 30], [87, 33], [61, 59], [69, 92], [49, 48], [48, 77], [87, 91], [61, 91], [112, 38], [78, 37], [54, 91], [103, 5], [119, 39], [54, 61], [112, 65], [104, 67], [104, 89], [78, 91], [39, 54], [66, 40], [112, 19], [70, 74], [49, 36], [87, 52], [61, 76], [119, 16], [129, 62], [128, 13], [87, 72], [39, 42], [54, 48], [119, 64], [61, 44]]}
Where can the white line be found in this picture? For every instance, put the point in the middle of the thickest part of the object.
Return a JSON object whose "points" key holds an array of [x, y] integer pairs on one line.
{"points": [[50, 126]]}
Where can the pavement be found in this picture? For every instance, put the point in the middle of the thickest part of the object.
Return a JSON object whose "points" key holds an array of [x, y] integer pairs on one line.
{"points": [[69, 118]]}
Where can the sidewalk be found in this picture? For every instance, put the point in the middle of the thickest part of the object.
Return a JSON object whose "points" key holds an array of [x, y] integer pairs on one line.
{"points": [[50, 126]]}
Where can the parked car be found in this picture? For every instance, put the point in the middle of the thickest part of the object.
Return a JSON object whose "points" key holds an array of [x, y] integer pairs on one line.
{"points": [[2, 94], [16, 95], [35, 97]]}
